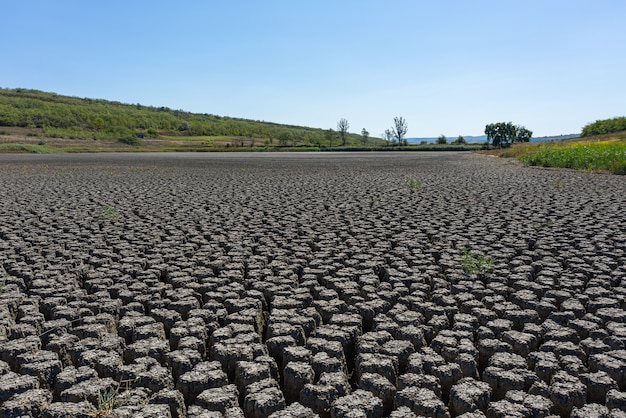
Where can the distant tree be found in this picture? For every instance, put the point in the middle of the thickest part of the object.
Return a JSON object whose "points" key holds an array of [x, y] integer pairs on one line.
{"points": [[364, 135], [503, 134], [284, 138], [342, 128], [329, 135], [442, 140], [399, 129], [388, 135], [459, 141]]}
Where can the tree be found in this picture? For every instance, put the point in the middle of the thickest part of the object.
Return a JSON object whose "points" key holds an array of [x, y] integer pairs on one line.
{"points": [[399, 129], [284, 138], [503, 134], [523, 134], [388, 135], [442, 140], [364, 135], [459, 141], [342, 128], [329, 135]]}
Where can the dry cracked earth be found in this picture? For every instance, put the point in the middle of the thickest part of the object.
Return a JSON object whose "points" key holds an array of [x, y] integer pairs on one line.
{"points": [[304, 285]]}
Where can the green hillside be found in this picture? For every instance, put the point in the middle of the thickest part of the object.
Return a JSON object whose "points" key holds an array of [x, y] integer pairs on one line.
{"points": [[52, 115]]}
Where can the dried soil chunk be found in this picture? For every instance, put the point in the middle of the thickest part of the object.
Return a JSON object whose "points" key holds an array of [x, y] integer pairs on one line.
{"points": [[380, 387], [403, 412], [151, 347], [319, 398], [545, 364], [182, 361], [591, 410], [323, 363], [489, 346], [468, 395], [205, 375], [167, 317], [173, 399], [219, 399], [338, 380], [89, 390], [422, 402], [598, 385], [30, 403], [448, 375], [195, 411], [229, 354], [295, 410], [263, 403], [297, 353], [106, 363], [506, 409], [567, 391], [501, 381], [13, 383], [400, 349], [537, 405], [421, 380], [616, 399], [522, 343], [11, 349], [68, 410], [45, 365], [148, 373], [358, 404], [70, 376], [295, 376], [247, 372], [610, 363], [378, 363]]}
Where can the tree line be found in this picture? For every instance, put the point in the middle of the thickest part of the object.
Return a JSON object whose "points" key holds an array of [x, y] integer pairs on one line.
{"points": [[606, 126]]}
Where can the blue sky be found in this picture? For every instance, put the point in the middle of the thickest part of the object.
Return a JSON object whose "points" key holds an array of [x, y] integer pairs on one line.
{"points": [[448, 67]]}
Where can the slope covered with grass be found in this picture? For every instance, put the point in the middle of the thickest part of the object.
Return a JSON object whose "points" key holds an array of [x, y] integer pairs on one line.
{"points": [[57, 116], [601, 153]]}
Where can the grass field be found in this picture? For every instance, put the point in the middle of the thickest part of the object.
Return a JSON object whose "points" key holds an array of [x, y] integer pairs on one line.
{"points": [[603, 153]]}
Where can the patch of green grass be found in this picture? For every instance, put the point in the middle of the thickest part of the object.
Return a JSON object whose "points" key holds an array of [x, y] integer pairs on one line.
{"points": [[413, 184], [29, 148], [111, 399], [109, 213], [474, 263], [588, 156]]}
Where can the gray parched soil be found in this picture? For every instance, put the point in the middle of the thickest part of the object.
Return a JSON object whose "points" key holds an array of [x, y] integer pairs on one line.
{"points": [[303, 285]]}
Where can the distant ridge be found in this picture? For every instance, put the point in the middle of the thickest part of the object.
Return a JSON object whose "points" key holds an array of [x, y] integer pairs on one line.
{"points": [[483, 138]]}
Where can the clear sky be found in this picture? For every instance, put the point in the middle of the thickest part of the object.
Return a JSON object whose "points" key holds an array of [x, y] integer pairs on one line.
{"points": [[448, 67]]}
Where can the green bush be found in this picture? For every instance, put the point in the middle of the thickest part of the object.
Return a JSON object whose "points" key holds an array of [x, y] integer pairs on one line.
{"points": [[605, 126]]}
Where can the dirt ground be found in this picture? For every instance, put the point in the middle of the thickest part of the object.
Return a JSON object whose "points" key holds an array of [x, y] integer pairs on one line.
{"points": [[310, 284]]}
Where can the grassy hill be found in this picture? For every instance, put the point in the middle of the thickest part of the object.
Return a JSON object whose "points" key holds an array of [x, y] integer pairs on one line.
{"points": [[43, 116]]}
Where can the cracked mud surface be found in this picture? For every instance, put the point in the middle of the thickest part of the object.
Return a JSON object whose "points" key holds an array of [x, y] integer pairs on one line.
{"points": [[298, 285]]}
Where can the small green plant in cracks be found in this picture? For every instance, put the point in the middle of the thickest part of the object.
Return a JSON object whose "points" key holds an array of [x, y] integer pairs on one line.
{"points": [[473, 263], [111, 399], [109, 213], [413, 184]]}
